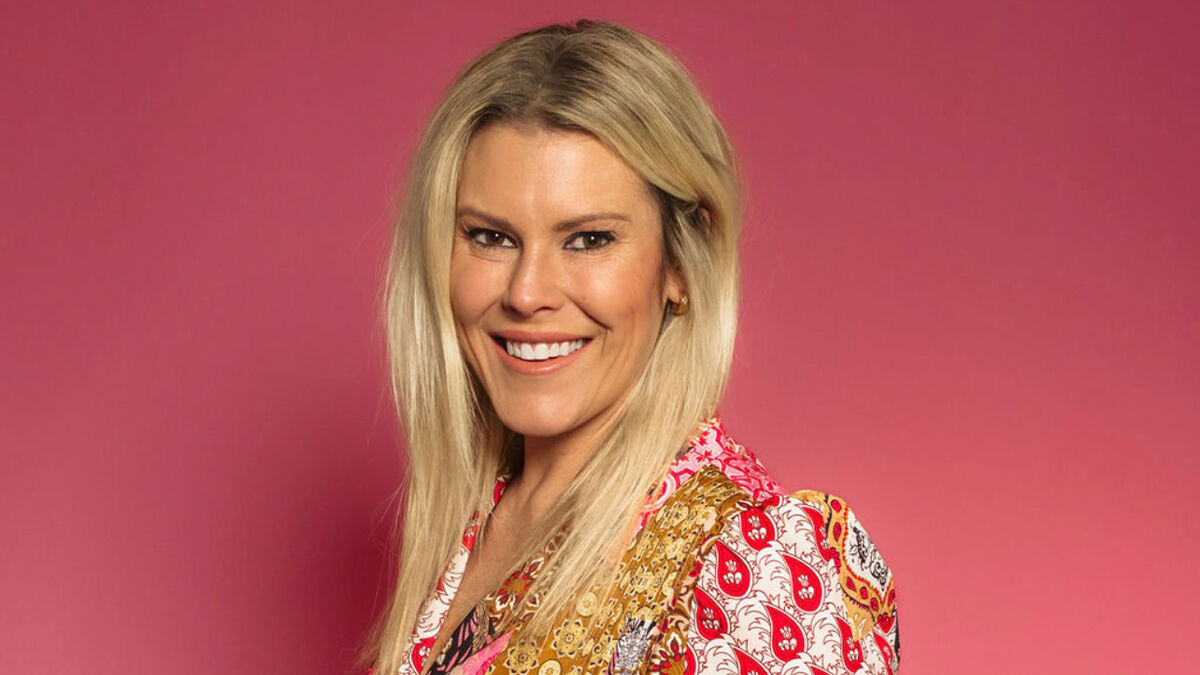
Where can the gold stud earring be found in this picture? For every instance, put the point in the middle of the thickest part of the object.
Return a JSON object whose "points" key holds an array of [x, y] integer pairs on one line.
{"points": [[680, 307]]}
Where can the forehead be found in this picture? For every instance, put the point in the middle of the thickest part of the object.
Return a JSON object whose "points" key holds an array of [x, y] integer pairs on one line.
{"points": [[526, 171]]}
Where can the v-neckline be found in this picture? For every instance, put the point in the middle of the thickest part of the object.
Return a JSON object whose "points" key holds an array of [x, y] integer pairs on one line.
{"points": [[708, 445]]}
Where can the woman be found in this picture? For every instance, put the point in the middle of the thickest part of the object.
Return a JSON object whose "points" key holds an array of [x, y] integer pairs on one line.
{"points": [[561, 312]]}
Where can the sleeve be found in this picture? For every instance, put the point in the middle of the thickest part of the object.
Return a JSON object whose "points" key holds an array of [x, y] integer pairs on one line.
{"points": [[793, 585]]}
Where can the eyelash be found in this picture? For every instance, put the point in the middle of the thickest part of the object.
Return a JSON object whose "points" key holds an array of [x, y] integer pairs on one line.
{"points": [[474, 233], [604, 239]]}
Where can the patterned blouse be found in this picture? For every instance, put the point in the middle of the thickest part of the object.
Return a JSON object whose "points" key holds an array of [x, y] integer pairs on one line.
{"points": [[774, 584]]}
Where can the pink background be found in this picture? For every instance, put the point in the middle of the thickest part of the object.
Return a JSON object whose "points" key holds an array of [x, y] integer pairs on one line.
{"points": [[971, 309]]}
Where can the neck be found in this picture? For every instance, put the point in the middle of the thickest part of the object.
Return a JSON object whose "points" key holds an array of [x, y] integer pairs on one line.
{"points": [[550, 464]]}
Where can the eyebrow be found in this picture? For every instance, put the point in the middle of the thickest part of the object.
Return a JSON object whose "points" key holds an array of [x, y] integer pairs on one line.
{"points": [[560, 226]]}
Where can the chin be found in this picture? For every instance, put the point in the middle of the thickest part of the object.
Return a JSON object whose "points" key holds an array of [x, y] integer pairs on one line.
{"points": [[540, 419]]}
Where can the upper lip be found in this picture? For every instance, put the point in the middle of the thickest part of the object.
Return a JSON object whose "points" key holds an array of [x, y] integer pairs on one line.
{"points": [[526, 336]]}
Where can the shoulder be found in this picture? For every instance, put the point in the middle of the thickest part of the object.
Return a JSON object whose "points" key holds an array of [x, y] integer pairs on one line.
{"points": [[790, 578]]}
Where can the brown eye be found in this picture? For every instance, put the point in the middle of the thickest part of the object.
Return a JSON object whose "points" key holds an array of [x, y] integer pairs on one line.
{"points": [[590, 241], [490, 238]]}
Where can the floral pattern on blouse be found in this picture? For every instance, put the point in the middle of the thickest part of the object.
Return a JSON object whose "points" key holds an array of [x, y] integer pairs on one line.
{"points": [[785, 584]]}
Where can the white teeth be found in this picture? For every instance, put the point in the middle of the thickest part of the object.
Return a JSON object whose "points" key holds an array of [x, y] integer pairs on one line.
{"points": [[541, 351]]}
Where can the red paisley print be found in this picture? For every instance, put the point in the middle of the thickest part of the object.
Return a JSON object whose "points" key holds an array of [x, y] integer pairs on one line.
{"points": [[885, 649], [852, 654], [828, 552], [806, 585], [418, 655], [809, 600], [757, 528], [787, 639], [786, 584], [710, 618], [734, 575], [747, 665]]}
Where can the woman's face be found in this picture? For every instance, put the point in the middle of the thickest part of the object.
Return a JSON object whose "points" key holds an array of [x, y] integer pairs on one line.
{"points": [[557, 276]]}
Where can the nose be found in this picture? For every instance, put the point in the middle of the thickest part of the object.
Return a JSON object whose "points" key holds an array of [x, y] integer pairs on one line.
{"points": [[535, 283]]}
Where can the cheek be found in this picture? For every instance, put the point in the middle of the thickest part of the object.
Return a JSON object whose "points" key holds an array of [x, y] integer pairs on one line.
{"points": [[470, 289], [622, 296]]}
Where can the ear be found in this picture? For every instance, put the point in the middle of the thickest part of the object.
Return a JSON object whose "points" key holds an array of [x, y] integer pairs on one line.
{"points": [[675, 286]]}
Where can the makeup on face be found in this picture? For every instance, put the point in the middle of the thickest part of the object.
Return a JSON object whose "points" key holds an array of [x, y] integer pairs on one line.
{"points": [[557, 276]]}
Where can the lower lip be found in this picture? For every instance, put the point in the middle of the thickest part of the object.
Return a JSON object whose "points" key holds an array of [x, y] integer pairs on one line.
{"points": [[538, 367]]}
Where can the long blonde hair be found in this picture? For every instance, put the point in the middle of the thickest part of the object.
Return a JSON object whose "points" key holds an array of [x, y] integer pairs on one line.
{"points": [[632, 95]]}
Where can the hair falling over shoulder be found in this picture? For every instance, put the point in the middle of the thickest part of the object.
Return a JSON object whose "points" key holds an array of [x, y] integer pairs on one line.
{"points": [[632, 95]]}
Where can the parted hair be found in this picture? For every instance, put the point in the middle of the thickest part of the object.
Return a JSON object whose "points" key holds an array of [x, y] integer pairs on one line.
{"points": [[628, 92]]}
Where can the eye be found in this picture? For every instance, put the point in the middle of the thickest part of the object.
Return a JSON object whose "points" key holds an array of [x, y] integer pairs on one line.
{"points": [[589, 241], [490, 238]]}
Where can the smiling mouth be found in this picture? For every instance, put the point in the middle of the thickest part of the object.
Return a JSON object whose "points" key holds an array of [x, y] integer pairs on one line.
{"points": [[540, 351]]}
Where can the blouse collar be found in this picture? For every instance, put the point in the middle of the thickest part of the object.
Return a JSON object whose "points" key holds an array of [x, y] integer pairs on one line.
{"points": [[709, 445]]}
